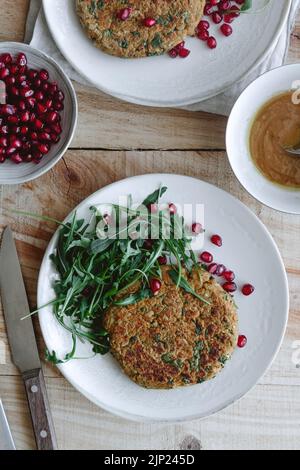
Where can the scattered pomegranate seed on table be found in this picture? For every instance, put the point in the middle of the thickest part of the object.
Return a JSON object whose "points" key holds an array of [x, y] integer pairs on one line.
{"points": [[30, 120]]}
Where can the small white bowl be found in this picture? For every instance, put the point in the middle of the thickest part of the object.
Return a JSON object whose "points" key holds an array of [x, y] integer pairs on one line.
{"points": [[10, 173], [267, 86]]}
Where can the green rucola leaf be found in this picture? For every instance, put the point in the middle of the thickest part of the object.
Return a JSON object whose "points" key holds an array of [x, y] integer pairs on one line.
{"points": [[154, 197], [183, 283]]}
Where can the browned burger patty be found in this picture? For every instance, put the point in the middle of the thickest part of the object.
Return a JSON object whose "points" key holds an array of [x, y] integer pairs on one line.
{"points": [[174, 339], [175, 20]]}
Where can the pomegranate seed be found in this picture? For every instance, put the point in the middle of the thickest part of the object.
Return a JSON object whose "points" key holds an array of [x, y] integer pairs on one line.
{"points": [[58, 106], [242, 341], [3, 141], [124, 14], [33, 136], [216, 240], [15, 142], [184, 52], [212, 42], [155, 286], [59, 96], [37, 83], [6, 58], [25, 116], [4, 73], [16, 158], [12, 120], [56, 128], [39, 95], [230, 287], [208, 9], [248, 289], [149, 22], [4, 130], [54, 138], [22, 105], [24, 130], [31, 102], [44, 137], [38, 124], [179, 46], [32, 74], [226, 29], [22, 59], [197, 228], [27, 158], [216, 17], [26, 92], [173, 53], [41, 108], [228, 19], [172, 209], [203, 25], [229, 276], [206, 257], [43, 148], [212, 268], [162, 260], [7, 110], [10, 80], [52, 117], [220, 270], [11, 150], [44, 75], [148, 244], [203, 34]]}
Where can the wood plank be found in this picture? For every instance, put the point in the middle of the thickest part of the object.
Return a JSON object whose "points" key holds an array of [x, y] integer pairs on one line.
{"points": [[83, 172], [267, 418], [13, 18]]}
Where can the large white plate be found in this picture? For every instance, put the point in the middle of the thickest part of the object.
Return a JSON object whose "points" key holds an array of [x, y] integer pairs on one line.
{"points": [[248, 249], [161, 81]]}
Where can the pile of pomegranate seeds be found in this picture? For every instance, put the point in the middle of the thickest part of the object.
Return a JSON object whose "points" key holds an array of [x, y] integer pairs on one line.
{"points": [[30, 122], [219, 12]]}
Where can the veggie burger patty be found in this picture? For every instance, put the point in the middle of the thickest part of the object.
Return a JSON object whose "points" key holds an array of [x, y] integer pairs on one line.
{"points": [[174, 338], [175, 20]]}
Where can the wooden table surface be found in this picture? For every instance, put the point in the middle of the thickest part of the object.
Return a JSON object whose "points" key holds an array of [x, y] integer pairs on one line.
{"points": [[115, 140]]}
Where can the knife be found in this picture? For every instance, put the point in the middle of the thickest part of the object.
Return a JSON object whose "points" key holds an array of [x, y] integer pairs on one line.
{"points": [[6, 440], [23, 343]]}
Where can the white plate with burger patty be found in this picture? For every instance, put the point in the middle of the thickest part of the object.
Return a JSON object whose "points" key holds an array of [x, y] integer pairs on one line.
{"points": [[162, 81], [248, 249]]}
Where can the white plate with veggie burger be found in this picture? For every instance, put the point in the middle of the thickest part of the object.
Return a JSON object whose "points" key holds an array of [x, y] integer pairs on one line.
{"points": [[225, 48], [171, 326]]}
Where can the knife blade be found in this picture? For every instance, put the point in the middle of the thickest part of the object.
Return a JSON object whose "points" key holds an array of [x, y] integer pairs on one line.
{"points": [[6, 440], [22, 341]]}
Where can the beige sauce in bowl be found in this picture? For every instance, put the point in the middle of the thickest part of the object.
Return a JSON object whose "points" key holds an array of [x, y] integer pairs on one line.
{"points": [[277, 125]]}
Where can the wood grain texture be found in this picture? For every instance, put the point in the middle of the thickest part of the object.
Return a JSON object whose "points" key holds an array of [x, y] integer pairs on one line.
{"points": [[40, 412], [147, 140]]}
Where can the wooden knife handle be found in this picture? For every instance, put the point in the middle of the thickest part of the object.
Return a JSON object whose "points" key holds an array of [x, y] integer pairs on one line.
{"points": [[40, 410]]}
